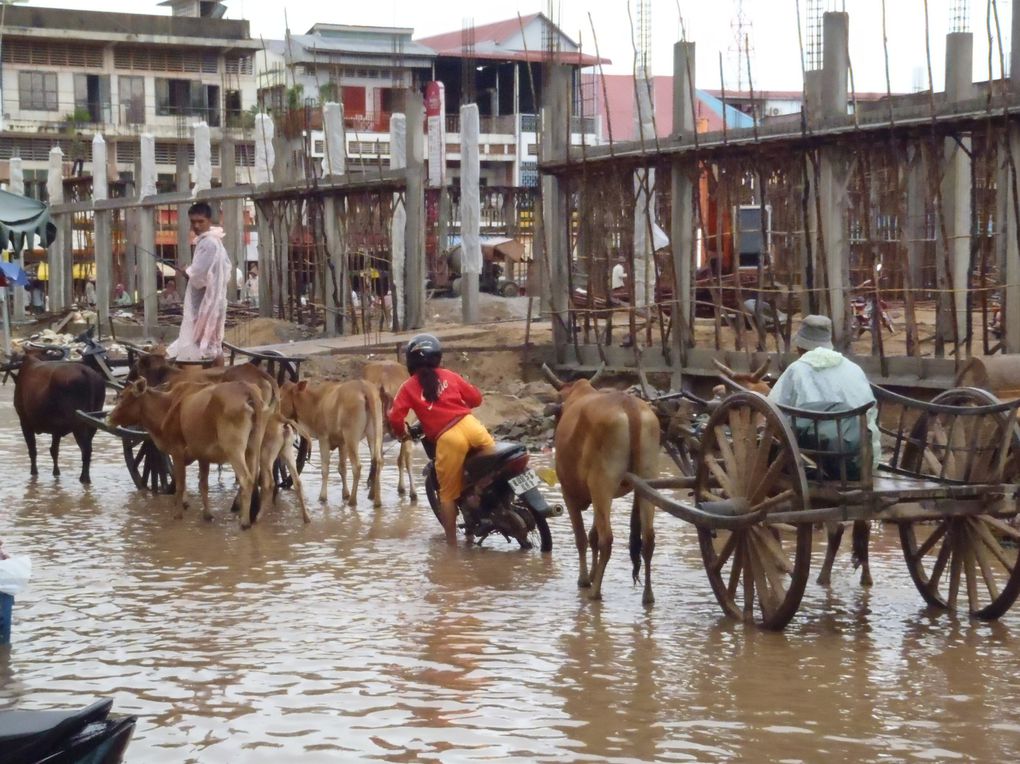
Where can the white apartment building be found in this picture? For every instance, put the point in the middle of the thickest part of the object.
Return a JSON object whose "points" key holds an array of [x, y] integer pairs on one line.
{"points": [[69, 74]]}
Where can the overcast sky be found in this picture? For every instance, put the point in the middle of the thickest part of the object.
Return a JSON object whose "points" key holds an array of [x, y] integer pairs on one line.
{"points": [[775, 58]]}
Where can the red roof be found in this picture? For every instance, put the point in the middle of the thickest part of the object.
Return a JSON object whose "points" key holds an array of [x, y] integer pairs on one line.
{"points": [[489, 40]]}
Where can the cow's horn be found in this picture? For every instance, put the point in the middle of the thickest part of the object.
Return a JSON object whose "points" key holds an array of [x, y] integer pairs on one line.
{"points": [[723, 368], [760, 371], [551, 376], [595, 377]]}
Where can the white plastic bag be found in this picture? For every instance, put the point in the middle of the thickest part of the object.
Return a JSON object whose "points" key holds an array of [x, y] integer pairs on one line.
{"points": [[14, 574]]}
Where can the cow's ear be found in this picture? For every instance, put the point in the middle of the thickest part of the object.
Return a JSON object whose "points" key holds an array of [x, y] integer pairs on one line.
{"points": [[140, 385], [302, 385]]}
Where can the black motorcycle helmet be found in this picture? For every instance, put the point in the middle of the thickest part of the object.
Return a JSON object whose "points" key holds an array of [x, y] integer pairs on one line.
{"points": [[424, 350]]}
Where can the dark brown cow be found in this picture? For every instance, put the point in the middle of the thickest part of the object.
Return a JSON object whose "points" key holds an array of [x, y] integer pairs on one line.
{"points": [[601, 435], [46, 396]]}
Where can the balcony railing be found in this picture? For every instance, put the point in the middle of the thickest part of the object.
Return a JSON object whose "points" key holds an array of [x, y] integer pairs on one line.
{"points": [[502, 124]]}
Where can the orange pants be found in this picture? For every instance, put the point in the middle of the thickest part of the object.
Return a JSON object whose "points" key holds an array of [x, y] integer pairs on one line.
{"points": [[452, 449]]}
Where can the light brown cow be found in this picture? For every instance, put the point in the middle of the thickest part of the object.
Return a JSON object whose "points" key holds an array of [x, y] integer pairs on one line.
{"points": [[389, 376], [999, 374], [752, 381], [278, 442], [339, 415], [222, 423], [600, 436]]}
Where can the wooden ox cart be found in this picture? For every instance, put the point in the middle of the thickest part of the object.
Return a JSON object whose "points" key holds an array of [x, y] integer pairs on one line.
{"points": [[949, 479], [150, 468]]}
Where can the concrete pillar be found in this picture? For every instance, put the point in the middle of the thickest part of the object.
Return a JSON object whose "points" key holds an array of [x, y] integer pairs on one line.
{"points": [[555, 268], [833, 174], [17, 186], [1014, 51], [682, 213], [916, 208], [956, 187], [102, 226], [414, 198], [57, 266], [265, 159], [147, 237], [233, 227], [398, 223], [644, 200], [813, 98], [336, 277], [470, 213], [835, 64], [183, 224], [1009, 248]]}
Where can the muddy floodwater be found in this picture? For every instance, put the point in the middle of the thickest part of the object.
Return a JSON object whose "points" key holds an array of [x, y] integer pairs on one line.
{"points": [[361, 636]]}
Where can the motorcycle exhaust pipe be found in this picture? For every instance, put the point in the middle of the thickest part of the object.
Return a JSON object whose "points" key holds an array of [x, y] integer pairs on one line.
{"points": [[536, 501]]}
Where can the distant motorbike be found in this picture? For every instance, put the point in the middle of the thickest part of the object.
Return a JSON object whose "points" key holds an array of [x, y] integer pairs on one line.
{"points": [[863, 307], [500, 494], [85, 736]]}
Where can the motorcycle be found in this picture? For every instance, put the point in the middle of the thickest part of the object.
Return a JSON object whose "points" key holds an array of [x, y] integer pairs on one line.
{"points": [[863, 307], [65, 737], [500, 494]]}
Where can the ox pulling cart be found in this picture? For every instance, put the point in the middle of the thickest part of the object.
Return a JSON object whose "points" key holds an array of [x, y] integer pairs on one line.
{"points": [[761, 476], [150, 468]]}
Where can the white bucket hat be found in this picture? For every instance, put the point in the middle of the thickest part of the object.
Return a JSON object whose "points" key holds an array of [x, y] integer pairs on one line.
{"points": [[814, 332]]}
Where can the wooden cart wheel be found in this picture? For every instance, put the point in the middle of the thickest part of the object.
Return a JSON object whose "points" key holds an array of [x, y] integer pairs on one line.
{"points": [[749, 458], [150, 468], [978, 552]]}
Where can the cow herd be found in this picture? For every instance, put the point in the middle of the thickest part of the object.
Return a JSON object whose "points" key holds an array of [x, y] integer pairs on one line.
{"points": [[239, 416]]}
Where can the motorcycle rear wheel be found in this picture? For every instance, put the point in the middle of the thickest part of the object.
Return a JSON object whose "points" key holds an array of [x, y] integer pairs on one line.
{"points": [[526, 534]]}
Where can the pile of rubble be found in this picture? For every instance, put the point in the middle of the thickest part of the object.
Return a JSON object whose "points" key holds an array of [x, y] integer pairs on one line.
{"points": [[535, 432], [50, 338]]}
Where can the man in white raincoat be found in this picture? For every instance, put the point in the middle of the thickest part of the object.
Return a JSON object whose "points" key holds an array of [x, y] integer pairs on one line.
{"points": [[205, 300], [823, 375]]}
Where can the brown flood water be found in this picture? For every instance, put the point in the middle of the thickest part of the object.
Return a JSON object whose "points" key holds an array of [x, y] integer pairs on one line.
{"points": [[360, 636]]}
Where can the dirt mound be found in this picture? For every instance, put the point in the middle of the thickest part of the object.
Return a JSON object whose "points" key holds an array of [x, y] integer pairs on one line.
{"points": [[443, 310], [264, 331]]}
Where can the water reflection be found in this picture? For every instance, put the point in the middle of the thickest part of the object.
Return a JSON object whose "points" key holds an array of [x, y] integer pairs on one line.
{"points": [[362, 636]]}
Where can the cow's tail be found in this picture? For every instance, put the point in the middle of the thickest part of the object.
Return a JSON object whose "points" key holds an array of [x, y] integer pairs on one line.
{"points": [[636, 466], [374, 411], [252, 453]]}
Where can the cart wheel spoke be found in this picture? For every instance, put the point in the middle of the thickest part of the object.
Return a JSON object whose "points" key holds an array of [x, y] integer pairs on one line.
{"points": [[724, 553], [931, 541]]}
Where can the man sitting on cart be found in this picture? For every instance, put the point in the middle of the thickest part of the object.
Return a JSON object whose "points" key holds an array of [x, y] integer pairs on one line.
{"points": [[822, 375]]}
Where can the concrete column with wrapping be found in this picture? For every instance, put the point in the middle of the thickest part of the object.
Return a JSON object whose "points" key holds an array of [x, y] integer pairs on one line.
{"points": [[17, 186], [398, 223], [102, 223], [147, 236], [470, 213], [57, 266]]}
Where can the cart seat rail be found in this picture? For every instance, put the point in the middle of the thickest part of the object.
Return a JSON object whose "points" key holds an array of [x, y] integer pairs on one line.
{"points": [[964, 435]]}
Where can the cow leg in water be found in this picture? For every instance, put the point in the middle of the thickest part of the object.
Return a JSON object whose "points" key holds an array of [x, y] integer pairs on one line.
{"points": [[290, 459], [83, 437], [203, 487], [30, 443], [351, 447], [324, 454], [861, 536], [247, 480], [345, 493], [405, 462], [834, 531], [55, 453], [642, 536], [180, 481], [401, 490], [574, 510], [601, 506]]}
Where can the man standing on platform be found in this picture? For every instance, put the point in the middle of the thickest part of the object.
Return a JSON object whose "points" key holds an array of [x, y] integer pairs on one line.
{"points": [[205, 300]]}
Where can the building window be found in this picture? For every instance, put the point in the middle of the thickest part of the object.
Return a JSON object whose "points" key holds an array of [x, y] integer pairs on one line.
{"points": [[188, 98], [35, 185], [92, 97], [37, 91], [532, 149], [132, 100]]}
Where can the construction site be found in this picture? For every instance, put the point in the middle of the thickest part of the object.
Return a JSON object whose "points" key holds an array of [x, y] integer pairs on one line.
{"points": [[480, 164]]}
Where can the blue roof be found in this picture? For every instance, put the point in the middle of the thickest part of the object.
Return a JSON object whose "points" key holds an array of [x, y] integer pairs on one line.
{"points": [[734, 117]]}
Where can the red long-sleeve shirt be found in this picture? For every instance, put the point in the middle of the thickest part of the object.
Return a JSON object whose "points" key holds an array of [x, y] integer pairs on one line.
{"points": [[456, 398]]}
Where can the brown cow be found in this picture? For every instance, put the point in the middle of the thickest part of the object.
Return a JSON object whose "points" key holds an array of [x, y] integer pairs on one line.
{"points": [[389, 376], [223, 423], [752, 381], [601, 435], [46, 396], [339, 415], [158, 371]]}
